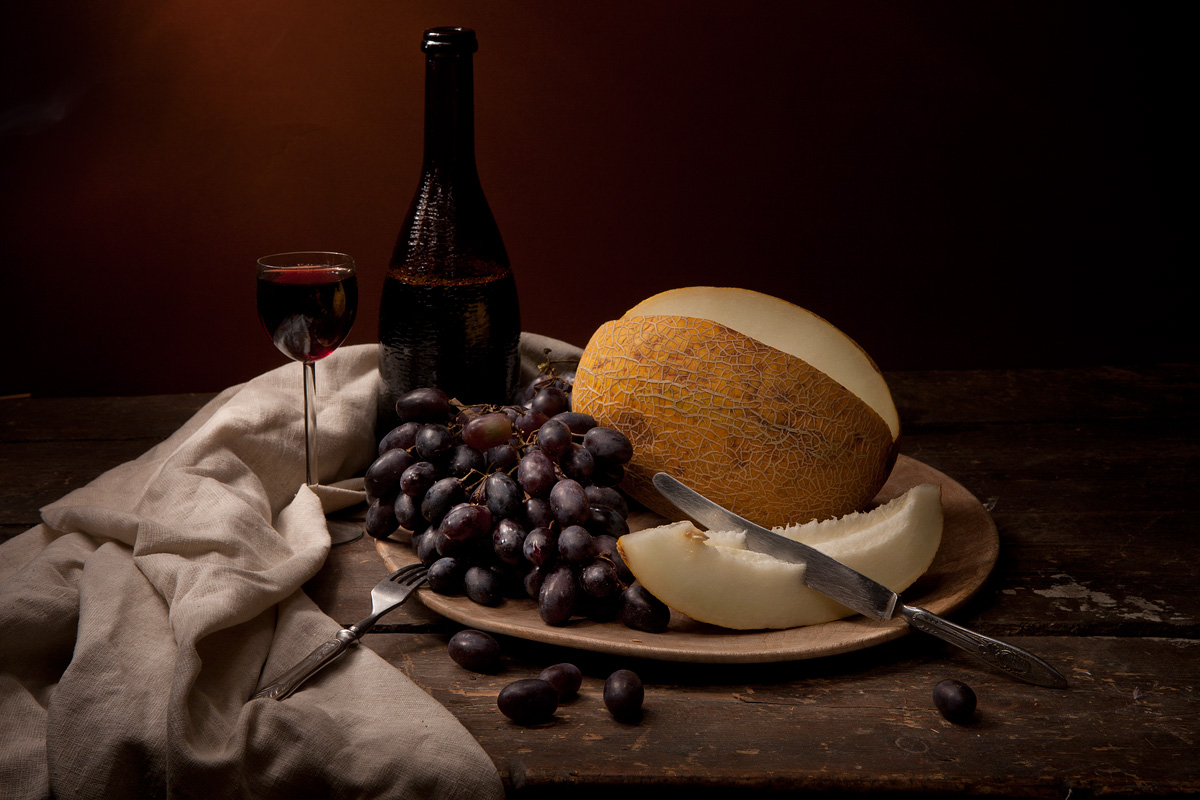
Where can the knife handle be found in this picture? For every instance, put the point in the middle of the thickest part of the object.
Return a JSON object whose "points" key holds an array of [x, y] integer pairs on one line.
{"points": [[1014, 661], [287, 683]]}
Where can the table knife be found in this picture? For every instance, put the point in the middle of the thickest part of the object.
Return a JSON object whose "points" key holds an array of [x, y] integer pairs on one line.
{"points": [[856, 591]]}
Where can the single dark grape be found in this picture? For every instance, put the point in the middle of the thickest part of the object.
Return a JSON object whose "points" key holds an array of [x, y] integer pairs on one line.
{"points": [[487, 431], [955, 700], [624, 695], [464, 549], [599, 578], [508, 542], [542, 381], [606, 548], [424, 405], [607, 497], [502, 457], [540, 547], [382, 478], [569, 502], [467, 521], [550, 400], [643, 611], [381, 519], [408, 513], [433, 441], [608, 475], [416, 480], [504, 496], [577, 463], [528, 701], [441, 497], [533, 580], [468, 413], [464, 460], [554, 438], [483, 585], [528, 421], [426, 547], [608, 445], [536, 474], [538, 513], [475, 650], [402, 437], [446, 575], [558, 596], [606, 522], [577, 421], [575, 545], [565, 678]]}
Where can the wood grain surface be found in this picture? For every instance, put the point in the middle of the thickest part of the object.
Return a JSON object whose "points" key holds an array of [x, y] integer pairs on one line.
{"points": [[1089, 476]]}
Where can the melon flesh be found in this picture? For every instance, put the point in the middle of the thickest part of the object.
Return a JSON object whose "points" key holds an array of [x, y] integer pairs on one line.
{"points": [[712, 577], [755, 402]]}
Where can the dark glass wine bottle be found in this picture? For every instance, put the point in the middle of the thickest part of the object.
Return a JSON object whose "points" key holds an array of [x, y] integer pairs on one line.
{"points": [[449, 315]]}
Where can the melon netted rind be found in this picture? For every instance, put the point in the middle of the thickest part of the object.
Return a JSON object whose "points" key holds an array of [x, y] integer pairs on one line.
{"points": [[784, 326], [755, 429]]}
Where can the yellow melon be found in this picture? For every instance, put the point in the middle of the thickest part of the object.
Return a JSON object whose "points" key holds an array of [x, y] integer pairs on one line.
{"points": [[757, 403]]}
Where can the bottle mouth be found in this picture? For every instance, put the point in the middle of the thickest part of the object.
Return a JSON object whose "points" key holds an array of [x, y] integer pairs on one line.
{"points": [[449, 40]]}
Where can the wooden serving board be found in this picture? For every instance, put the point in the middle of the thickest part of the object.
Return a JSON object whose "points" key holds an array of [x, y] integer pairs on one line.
{"points": [[969, 549]]}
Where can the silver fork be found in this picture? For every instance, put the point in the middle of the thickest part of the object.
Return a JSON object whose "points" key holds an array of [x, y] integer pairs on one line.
{"points": [[389, 593]]}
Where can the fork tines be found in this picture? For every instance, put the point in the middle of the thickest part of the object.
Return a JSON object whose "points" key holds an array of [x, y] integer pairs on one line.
{"points": [[413, 573]]}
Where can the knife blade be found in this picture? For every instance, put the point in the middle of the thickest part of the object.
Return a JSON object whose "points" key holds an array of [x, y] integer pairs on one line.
{"points": [[854, 590]]}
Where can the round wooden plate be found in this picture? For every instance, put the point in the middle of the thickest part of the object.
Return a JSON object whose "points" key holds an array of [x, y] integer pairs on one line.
{"points": [[969, 548]]}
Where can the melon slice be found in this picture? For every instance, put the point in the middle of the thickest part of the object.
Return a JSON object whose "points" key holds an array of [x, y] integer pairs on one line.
{"points": [[757, 403], [712, 577]]}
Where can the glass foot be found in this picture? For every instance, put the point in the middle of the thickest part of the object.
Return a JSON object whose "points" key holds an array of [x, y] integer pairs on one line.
{"points": [[344, 531]]}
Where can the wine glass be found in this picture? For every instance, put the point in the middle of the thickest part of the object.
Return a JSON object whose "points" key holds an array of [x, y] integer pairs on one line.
{"points": [[307, 301]]}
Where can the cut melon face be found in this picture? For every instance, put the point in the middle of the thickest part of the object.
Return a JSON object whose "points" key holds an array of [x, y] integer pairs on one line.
{"points": [[712, 577], [755, 402]]}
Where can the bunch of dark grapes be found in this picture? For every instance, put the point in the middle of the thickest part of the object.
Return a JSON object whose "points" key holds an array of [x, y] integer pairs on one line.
{"points": [[512, 501]]}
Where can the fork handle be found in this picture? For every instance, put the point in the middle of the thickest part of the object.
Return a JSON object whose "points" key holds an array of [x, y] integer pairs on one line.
{"points": [[325, 654]]}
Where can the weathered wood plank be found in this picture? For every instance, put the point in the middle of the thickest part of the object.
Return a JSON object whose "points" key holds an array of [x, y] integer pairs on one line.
{"points": [[1085, 467], [857, 723], [1099, 574], [51, 446], [38, 473], [964, 397], [1090, 477], [90, 418]]}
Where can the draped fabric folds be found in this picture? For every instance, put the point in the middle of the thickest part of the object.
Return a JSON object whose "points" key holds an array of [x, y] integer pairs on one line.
{"points": [[143, 612]]}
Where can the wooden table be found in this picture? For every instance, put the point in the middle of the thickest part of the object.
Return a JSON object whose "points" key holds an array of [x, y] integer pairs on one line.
{"points": [[1091, 478]]}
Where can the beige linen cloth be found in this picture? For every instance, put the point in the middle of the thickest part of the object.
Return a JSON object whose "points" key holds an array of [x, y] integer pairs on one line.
{"points": [[137, 620]]}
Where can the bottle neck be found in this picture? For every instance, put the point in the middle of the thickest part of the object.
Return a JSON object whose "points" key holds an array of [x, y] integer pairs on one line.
{"points": [[449, 114]]}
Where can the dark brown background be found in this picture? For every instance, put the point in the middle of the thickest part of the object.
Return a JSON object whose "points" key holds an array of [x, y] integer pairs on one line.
{"points": [[954, 185]]}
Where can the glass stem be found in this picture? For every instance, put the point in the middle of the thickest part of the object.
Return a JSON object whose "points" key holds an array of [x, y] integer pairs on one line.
{"points": [[310, 423]]}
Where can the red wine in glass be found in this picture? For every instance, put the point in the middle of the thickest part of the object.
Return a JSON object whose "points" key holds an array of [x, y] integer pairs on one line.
{"points": [[307, 311], [307, 302]]}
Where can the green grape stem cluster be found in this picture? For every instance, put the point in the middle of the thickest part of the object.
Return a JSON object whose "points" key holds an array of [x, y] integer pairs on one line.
{"points": [[512, 501]]}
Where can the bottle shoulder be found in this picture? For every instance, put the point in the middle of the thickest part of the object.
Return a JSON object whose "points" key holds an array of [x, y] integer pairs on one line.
{"points": [[450, 230]]}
